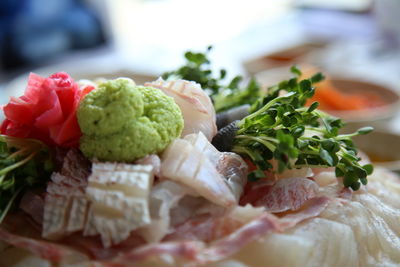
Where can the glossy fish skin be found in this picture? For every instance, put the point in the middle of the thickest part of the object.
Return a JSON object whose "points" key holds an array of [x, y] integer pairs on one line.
{"points": [[237, 113], [223, 140]]}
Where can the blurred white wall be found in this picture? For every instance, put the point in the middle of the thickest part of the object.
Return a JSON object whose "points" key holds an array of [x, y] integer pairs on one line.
{"points": [[163, 29]]}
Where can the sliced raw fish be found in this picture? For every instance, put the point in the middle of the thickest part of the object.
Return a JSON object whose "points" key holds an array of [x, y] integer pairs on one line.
{"points": [[47, 250], [163, 197], [285, 194], [233, 168], [184, 163], [65, 204], [119, 195], [153, 160]]}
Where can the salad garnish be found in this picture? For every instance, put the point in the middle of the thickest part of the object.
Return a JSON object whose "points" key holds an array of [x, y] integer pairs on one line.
{"points": [[24, 163], [280, 127], [224, 96]]}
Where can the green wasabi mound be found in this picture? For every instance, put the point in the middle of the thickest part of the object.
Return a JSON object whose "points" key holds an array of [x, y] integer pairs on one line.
{"points": [[124, 122]]}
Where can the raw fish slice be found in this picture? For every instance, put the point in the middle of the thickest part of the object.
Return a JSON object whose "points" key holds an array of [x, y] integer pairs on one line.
{"points": [[63, 215], [65, 204], [33, 203], [119, 199], [201, 143], [168, 253], [46, 250], [196, 106], [152, 160], [333, 243], [375, 227], [386, 186], [308, 244], [230, 165], [207, 228], [233, 168], [197, 252], [184, 163], [285, 194], [163, 197]]}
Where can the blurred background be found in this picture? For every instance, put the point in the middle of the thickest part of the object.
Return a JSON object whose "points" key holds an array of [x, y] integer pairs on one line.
{"points": [[355, 40]]}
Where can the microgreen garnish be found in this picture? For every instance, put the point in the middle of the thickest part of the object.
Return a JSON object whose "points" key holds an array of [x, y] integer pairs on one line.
{"points": [[24, 163], [280, 127], [224, 96]]}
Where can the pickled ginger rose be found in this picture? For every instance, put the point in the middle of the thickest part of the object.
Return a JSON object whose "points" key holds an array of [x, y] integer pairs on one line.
{"points": [[46, 111]]}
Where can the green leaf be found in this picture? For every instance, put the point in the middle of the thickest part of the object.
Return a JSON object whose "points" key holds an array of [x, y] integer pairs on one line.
{"points": [[310, 93], [326, 156], [305, 86], [365, 130], [360, 172], [364, 181], [328, 144], [369, 168], [295, 70], [222, 74], [298, 131], [292, 83], [235, 82], [317, 77], [313, 107], [355, 186]]}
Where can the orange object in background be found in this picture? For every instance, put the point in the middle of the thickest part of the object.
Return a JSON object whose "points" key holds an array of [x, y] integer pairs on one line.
{"points": [[332, 98]]}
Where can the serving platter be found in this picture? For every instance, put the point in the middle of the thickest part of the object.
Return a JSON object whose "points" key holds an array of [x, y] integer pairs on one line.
{"points": [[284, 194]]}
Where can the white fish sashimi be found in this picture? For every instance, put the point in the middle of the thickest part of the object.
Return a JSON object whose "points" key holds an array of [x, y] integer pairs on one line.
{"points": [[202, 144], [65, 204], [386, 186], [371, 221], [163, 197], [152, 160], [314, 243], [50, 251], [230, 165], [363, 231], [256, 225], [233, 168], [119, 195], [184, 163], [196, 106]]}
